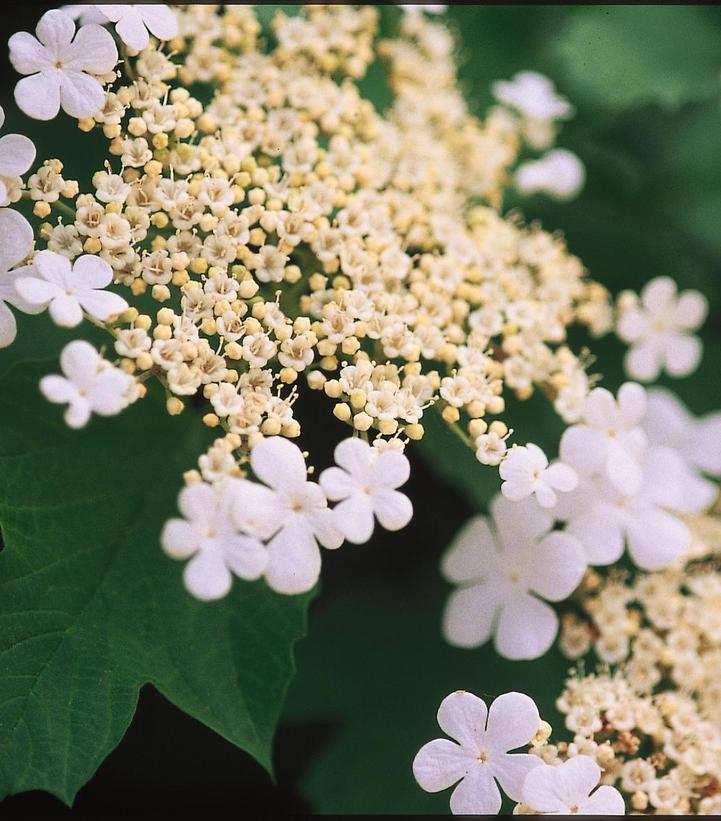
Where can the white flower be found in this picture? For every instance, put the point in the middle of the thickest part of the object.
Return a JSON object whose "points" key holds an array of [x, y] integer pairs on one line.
{"points": [[610, 439], [505, 567], [208, 534], [526, 471], [559, 174], [604, 519], [61, 67], [71, 288], [90, 385], [85, 13], [16, 156], [565, 789], [292, 512], [16, 242], [480, 760], [133, 21], [659, 331], [365, 485], [696, 442], [533, 95]]}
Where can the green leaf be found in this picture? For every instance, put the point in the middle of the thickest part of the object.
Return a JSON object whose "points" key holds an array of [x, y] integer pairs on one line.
{"points": [[624, 56], [91, 609]]}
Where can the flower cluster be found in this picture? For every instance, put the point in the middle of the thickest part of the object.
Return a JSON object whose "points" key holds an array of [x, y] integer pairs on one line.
{"points": [[291, 237]]}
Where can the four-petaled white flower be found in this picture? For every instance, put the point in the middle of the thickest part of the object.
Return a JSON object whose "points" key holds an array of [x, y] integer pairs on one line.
{"points": [[565, 789], [291, 511], [90, 385], [659, 329], [525, 471], [559, 174], [365, 485], [16, 242], [533, 95], [61, 64], [69, 289], [16, 156], [480, 760], [609, 439], [605, 519], [208, 536], [505, 567], [132, 22]]}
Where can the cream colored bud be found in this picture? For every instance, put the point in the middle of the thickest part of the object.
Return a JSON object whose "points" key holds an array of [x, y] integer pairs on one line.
{"points": [[332, 388], [387, 426], [174, 406], [165, 316], [342, 411], [499, 428], [161, 293], [41, 209], [162, 332], [362, 421], [496, 404], [143, 321], [210, 420], [316, 380], [477, 427], [414, 431], [358, 399], [350, 345], [291, 429], [144, 361], [450, 414], [192, 477], [288, 375], [271, 427]]}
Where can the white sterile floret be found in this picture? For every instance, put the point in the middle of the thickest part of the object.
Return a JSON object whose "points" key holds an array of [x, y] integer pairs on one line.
{"points": [[61, 64], [605, 519], [290, 511], [17, 153], [364, 484], [505, 566], [566, 789], [132, 22], [559, 174], [90, 385], [16, 242], [68, 288], [208, 536], [609, 438], [659, 329], [480, 760], [525, 471]]}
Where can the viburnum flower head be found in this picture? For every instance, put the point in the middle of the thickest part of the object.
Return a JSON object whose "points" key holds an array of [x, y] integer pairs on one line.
{"points": [[609, 438], [16, 242], [660, 328], [604, 519], [208, 536], [68, 288], [90, 385], [480, 760], [568, 789], [559, 174], [17, 153], [288, 510], [364, 483], [505, 566], [61, 65], [526, 472], [132, 22]]}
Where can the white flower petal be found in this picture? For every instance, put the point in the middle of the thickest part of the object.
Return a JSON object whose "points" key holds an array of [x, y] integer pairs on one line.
{"points": [[602, 537], [337, 484], [656, 538], [102, 305], [561, 477], [278, 462], [477, 794], [27, 55], [467, 557], [659, 295], [582, 448], [245, 556], [58, 389], [470, 615], [324, 527], [462, 716], [206, 577], [539, 789], [525, 519], [179, 539], [256, 509], [16, 238], [132, 31], [556, 566], [605, 801], [393, 509], [80, 94], [691, 310], [38, 96], [642, 362], [512, 770], [64, 310], [632, 403], [16, 155], [513, 720], [439, 764], [8, 326], [293, 561], [526, 627], [55, 29], [161, 20], [682, 354], [391, 470], [92, 271], [623, 470], [93, 50], [110, 389], [704, 447], [197, 502], [354, 518], [78, 413]]}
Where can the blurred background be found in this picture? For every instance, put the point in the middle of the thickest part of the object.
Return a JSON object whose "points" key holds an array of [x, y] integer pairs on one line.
{"points": [[646, 85]]}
